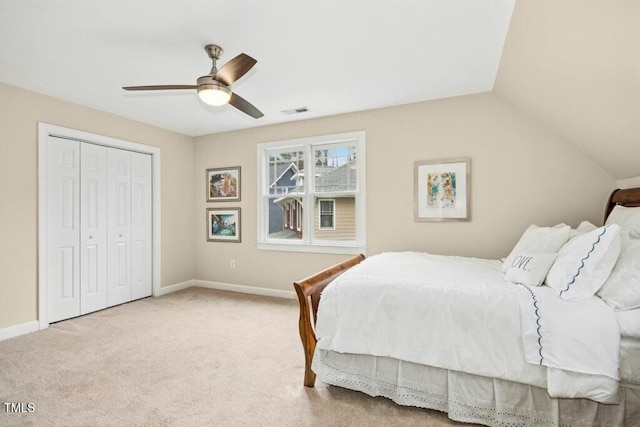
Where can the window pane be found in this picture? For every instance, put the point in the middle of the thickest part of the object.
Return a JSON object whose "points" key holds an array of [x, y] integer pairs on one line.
{"points": [[286, 172], [326, 207], [286, 187], [335, 169]]}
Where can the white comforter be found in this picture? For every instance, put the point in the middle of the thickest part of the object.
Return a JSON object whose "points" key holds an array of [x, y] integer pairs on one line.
{"points": [[460, 314]]}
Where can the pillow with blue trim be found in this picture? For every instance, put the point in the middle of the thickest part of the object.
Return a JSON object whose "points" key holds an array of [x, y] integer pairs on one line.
{"points": [[622, 289], [530, 269], [585, 262]]}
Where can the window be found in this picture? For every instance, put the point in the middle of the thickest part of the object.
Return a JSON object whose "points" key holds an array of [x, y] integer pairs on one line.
{"points": [[312, 194], [327, 214]]}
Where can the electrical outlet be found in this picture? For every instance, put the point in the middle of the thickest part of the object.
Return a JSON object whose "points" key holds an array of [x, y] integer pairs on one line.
{"points": [[232, 263]]}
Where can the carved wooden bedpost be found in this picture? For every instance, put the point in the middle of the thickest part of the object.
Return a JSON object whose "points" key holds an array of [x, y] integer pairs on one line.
{"points": [[307, 336], [309, 291]]}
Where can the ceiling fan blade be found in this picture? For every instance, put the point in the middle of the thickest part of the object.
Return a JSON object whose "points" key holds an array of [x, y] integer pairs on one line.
{"points": [[234, 69], [160, 87], [245, 106]]}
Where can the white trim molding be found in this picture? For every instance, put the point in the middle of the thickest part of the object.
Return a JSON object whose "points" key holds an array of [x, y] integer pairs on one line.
{"points": [[17, 330], [164, 290], [243, 289]]}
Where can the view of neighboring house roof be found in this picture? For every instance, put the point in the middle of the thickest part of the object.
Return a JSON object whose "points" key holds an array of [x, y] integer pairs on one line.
{"points": [[342, 178], [328, 178], [275, 173]]}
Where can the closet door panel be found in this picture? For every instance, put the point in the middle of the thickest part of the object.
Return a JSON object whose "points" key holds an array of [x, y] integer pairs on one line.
{"points": [[63, 175], [141, 223], [118, 226], [93, 228]]}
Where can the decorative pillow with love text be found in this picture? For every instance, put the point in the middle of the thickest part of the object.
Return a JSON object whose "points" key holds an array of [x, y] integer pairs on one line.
{"points": [[530, 269], [538, 240]]}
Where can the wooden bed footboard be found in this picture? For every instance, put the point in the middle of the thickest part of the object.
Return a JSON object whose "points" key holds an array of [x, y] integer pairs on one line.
{"points": [[309, 291]]}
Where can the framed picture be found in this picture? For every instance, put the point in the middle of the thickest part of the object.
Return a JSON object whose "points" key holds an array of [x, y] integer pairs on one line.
{"points": [[223, 184], [442, 190], [223, 225]]}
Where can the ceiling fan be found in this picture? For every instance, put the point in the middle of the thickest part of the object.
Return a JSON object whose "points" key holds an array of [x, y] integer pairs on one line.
{"points": [[215, 87]]}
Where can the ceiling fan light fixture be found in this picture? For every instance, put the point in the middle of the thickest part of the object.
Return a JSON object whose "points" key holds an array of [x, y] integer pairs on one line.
{"points": [[215, 88], [212, 92]]}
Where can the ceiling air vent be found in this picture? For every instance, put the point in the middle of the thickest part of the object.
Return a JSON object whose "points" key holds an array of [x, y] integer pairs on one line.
{"points": [[296, 110]]}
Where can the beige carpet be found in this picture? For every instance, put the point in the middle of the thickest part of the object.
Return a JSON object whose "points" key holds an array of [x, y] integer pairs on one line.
{"points": [[198, 357]]}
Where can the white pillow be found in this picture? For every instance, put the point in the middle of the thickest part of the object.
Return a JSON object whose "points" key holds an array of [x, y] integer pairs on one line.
{"points": [[585, 262], [629, 322], [584, 227], [539, 240], [625, 217], [530, 269], [622, 289]]}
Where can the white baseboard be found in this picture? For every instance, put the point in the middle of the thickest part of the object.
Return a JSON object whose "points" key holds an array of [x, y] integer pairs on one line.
{"points": [[17, 330], [268, 292], [175, 287], [25, 328]]}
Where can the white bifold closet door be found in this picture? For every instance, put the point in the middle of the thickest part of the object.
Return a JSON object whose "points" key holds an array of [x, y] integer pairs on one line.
{"points": [[63, 254], [129, 224], [141, 230], [99, 214], [93, 228]]}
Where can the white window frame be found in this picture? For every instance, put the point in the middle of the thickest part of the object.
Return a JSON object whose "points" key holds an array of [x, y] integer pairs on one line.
{"points": [[333, 214], [307, 243]]}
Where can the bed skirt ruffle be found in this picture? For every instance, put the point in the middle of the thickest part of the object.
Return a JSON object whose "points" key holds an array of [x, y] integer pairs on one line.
{"points": [[470, 398]]}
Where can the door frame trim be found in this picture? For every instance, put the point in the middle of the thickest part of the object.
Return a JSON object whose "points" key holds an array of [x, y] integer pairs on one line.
{"points": [[46, 130]]}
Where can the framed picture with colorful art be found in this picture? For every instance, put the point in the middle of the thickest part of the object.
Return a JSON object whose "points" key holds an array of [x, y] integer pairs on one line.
{"points": [[223, 184], [223, 225], [442, 190]]}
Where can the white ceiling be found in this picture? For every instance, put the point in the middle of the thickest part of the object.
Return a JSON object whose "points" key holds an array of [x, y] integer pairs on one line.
{"points": [[332, 56]]}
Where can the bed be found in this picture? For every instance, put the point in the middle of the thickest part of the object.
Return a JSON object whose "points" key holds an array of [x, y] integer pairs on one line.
{"points": [[527, 340]]}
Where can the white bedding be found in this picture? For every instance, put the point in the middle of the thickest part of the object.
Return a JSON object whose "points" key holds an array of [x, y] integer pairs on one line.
{"points": [[630, 361], [573, 336], [449, 312]]}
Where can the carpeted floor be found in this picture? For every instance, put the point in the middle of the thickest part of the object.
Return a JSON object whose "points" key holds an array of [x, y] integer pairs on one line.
{"points": [[197, 357]]}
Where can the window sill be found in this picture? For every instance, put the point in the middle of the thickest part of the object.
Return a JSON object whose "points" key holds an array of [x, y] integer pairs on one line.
{"points": [[324, 249]]}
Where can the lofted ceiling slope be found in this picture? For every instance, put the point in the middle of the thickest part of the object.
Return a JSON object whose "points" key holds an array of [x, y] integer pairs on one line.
{"points": [[575, 66]]}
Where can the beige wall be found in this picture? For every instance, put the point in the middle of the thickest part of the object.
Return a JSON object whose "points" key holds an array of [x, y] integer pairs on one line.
{"points": [[521, 174], [575, 66], [20, 112], [628, 183]]}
